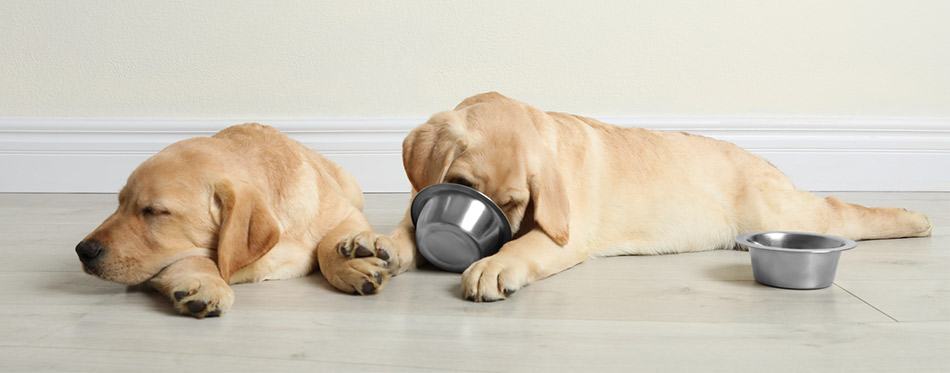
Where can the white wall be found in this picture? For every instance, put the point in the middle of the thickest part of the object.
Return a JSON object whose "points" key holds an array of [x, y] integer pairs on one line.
{"points": [[286, 59], [314, 60]]}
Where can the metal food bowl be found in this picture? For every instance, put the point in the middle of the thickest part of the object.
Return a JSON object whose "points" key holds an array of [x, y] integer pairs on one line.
{"points": [[794, 260], [457, 225]]}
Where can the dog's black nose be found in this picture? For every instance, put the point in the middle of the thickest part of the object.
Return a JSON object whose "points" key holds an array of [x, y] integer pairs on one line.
{"points": [[89, 251]]}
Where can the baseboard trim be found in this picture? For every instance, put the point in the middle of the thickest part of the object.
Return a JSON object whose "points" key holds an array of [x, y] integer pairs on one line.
{"points": [[832, 154]]}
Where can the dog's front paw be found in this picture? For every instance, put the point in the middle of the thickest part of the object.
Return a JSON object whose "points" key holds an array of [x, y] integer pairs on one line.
{"points": [[493, 278], [371, 245], [201, 297], [367, 261]]}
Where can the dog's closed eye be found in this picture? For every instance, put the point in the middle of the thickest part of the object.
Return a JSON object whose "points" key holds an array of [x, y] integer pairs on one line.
{"points": [[511, 203], [155, 211], [514, 199], [461, 181]]}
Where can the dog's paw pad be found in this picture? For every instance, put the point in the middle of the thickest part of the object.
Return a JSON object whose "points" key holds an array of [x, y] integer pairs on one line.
{"points": [[373, 283], [493, 279], [359, 277], [196, 306], [368, 288], [206, 297], [363, 252], [367, 245], [366, 261], [181, 294], [344, 248]]}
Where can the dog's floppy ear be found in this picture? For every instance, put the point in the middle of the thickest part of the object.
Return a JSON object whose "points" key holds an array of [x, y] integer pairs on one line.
{"points": [[552, 211], [248, 230], [430, 149]]}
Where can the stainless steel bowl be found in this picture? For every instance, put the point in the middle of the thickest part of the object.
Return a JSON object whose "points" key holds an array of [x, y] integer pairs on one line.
{"points": [[457, 225], [794, 260]]}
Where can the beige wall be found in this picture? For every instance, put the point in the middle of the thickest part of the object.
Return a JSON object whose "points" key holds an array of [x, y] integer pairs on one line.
{"points": [[275, 59]]}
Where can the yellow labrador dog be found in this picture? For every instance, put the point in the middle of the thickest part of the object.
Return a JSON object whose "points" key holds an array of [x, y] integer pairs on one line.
{"points": [[575, 188], [246, 205]]}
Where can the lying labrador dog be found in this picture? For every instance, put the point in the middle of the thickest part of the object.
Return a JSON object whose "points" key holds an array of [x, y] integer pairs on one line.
{"points": [[574, 188], [245, 205]]}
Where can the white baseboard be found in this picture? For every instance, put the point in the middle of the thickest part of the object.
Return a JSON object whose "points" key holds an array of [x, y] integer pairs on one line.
{"points": [[96, 155]]}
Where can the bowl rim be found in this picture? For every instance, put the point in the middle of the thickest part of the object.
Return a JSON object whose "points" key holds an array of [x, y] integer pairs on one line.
{"points": [[847, 244], [431, 191]]}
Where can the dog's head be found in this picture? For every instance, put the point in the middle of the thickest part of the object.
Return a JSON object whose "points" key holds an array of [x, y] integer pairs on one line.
{"points": [[184, 201], [504, 149]]}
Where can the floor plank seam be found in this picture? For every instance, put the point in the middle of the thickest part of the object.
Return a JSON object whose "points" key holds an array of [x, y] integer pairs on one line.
{"points": [[33, 343], [866, 302], [290, 358]]}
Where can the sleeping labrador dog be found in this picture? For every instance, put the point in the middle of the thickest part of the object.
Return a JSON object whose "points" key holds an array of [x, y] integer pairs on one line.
{"points": [[574, 188], [248, 204]]}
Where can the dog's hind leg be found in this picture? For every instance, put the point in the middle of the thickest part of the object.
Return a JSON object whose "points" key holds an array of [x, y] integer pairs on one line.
{"points": [[865, 223], [798, 210], [767, 200]]}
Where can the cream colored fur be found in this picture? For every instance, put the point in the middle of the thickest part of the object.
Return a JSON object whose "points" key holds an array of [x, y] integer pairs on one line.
{"points": [[246, 205], [575, 188]]}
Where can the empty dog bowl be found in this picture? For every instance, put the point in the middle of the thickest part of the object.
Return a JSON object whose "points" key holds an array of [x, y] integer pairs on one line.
{"points": [[457, 225], [794, 260]]}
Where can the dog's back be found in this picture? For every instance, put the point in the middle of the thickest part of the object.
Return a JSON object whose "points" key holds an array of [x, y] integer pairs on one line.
{"points": [[278, 156], [684, 192]]}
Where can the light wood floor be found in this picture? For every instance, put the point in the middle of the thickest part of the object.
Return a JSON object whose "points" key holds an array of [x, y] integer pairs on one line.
{"points": [[889, 310]]}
